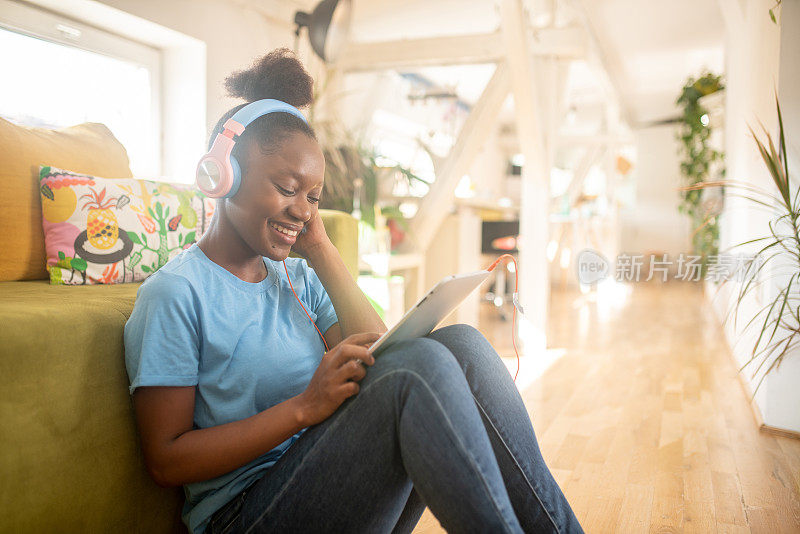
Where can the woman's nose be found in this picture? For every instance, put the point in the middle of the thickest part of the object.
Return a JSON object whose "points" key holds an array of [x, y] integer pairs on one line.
{"points": [[300, 209]]}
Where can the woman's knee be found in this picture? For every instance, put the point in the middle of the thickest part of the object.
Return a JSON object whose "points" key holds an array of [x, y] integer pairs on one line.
{"points": [[459, 332], [466, 343], [422, 356]]}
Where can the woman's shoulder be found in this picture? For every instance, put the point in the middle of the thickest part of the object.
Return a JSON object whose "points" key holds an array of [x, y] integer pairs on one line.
{"points": [[179, 274], [165, 298], [164, 283], [178, 279]]}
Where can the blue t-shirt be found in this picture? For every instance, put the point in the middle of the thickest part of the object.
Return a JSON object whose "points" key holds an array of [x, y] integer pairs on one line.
{"points": [[246, 346]]}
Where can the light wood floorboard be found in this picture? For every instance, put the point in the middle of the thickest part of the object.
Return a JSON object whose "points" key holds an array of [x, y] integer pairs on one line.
{"points": [[642, 419]]}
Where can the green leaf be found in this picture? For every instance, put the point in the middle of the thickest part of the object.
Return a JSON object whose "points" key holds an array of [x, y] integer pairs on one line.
{"points": [[135, 238], [144, 238], [159, 209], [189, 238], [79, 264], [61, 255], [146, 269], [152, 214], [782, 140], [47, 192]]}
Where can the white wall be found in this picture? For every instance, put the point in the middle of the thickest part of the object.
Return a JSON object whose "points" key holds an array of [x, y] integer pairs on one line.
{"points": [[789, 84], [201, 42], [234, 36], [653, 223], [760, 58], [782, 407]]}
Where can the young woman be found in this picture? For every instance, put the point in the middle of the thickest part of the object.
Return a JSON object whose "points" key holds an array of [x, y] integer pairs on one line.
{"points": [[237, 400]]}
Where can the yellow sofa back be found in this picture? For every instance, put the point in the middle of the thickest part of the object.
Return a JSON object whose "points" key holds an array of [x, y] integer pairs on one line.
{"points": [[87, 148]]}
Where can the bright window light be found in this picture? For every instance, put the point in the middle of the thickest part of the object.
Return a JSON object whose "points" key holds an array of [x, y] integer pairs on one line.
{"points": [[552, 249], [465, 187], [54, 85], [565, 257]]}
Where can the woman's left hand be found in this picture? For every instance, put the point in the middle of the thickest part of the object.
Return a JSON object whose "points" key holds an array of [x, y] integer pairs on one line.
{"points": [[314, 238]]}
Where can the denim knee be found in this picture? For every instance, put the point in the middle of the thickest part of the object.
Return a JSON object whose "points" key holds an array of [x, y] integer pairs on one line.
{"points": [[421, 355], [467, 344]]}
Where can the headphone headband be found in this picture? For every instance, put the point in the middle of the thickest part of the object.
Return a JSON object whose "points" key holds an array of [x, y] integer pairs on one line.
{"points": [[256, 109], [218, 173]]}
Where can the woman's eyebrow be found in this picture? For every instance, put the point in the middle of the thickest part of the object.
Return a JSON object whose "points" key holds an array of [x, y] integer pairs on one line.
{"points": [[300, 178]]}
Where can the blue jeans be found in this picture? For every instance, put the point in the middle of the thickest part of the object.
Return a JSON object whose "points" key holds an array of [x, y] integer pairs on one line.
{"points": [[438, 422]]}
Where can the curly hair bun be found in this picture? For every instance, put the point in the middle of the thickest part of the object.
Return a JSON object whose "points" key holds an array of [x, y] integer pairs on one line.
{"points": [[278, 75]]}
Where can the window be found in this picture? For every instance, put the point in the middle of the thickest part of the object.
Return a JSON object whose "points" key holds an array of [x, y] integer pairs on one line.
{"points": [[59, 73]]}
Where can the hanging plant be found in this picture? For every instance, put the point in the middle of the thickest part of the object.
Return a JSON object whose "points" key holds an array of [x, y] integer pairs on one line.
{"points": [[777, 262], [696, 165], [350, 161]]}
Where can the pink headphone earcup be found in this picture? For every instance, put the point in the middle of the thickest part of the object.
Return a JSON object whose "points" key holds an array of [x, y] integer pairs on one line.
{"points": [[236, 177]]}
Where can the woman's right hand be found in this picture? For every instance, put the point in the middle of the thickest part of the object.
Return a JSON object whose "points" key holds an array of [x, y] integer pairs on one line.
{"points": [[337, 377]]}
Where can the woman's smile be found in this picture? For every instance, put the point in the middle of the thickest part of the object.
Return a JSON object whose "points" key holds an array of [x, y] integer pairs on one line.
{"points": [[285, 233]]}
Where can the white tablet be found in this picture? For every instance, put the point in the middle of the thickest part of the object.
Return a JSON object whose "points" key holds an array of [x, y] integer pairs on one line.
{"points": [[431, 309]]}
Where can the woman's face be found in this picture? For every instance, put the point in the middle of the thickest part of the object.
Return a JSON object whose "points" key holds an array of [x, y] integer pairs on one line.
{"points": [[278, 195]]}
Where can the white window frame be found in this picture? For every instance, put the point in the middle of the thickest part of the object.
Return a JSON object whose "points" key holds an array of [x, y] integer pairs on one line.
{"points": [[35, 22]]}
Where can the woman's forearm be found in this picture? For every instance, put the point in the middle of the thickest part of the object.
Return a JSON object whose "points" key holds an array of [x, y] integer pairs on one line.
{"points": [[355, 313], [207, 453]]}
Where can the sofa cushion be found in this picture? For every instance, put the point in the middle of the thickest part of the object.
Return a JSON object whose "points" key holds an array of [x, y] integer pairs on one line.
{"points": [[69, 454], [100, 231], [87, 148]]}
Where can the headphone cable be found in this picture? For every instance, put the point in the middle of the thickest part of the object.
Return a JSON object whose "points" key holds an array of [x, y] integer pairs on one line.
{"points": [[304, 308], [515, 300]]}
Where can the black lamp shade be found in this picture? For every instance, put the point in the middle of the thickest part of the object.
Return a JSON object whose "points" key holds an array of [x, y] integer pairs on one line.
{"points": [[328, 26]]}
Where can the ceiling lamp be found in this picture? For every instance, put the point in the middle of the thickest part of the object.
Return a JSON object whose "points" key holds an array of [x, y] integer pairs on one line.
{"points": [[328, 27]]}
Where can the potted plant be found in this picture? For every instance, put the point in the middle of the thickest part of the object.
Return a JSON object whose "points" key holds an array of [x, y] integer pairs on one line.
{"points": [[778, 258], [357, 179]]}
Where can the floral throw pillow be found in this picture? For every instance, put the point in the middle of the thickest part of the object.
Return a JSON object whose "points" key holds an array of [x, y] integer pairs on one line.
{"points": [[114, 231]]}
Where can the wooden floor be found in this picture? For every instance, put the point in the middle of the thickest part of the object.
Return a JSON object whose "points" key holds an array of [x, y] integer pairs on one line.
{"points": [[643, 422]]}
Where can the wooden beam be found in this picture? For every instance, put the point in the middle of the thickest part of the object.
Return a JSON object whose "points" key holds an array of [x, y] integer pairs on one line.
{"points": [[605, 65], [575, 187], [405, 53], [535, 197], [566, 42], [510, 140], [439, 201], [594, 140]]}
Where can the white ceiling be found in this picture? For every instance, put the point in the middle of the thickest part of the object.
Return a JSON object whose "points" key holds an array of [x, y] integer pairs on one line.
{"points": [[653, 46], [649, 47], [388, 20]]}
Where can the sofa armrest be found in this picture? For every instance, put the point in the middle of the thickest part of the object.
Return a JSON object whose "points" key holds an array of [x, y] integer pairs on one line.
{"points": [[342, 228]]}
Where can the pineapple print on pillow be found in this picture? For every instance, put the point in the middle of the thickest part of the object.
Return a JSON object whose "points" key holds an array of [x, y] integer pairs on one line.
{"points": [[102, 231]]}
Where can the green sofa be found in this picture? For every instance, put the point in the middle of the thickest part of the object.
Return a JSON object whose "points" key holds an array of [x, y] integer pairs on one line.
{"points": [[69, 454]]}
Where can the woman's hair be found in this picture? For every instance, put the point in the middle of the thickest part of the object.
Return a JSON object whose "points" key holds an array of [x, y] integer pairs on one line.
{"points": [[278, 75]]}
